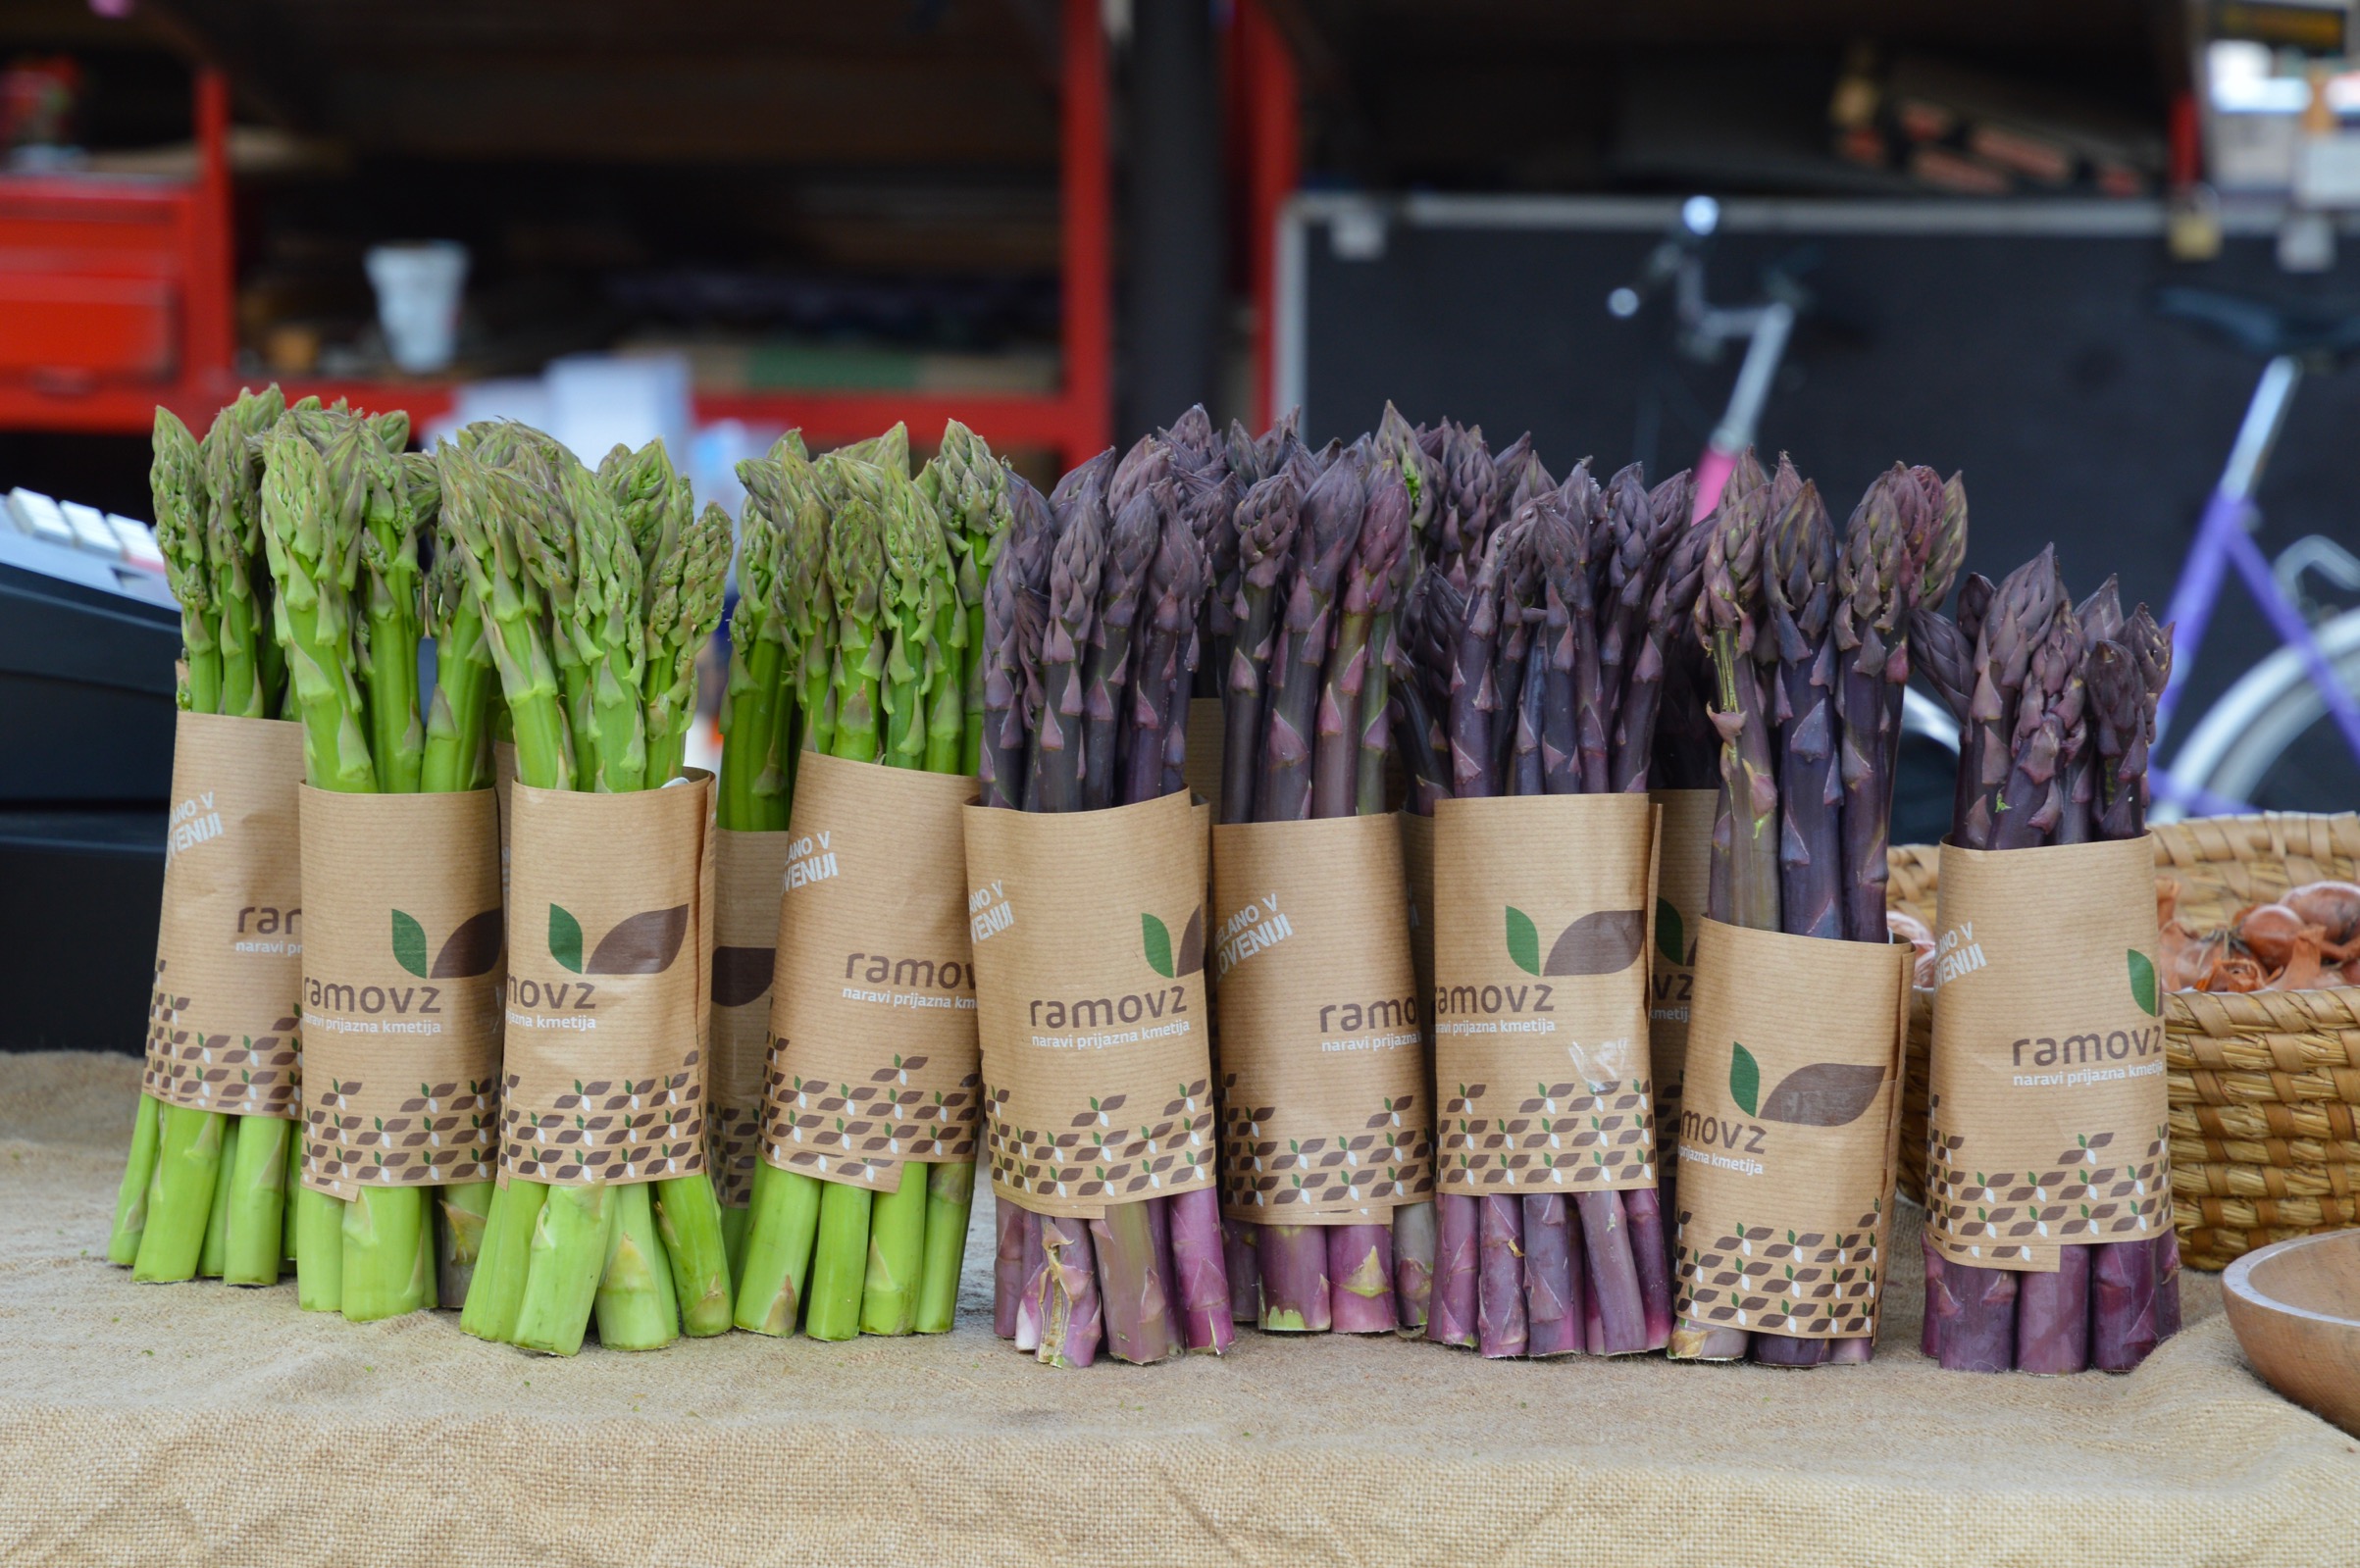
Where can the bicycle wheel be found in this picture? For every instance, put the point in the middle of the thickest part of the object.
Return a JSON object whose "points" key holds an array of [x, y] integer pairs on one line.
{"points": [[2248, 745]]}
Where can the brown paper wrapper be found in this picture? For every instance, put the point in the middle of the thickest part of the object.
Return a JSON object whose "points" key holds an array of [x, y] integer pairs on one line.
{"points": [[1786, 1134], [403, 974], [2047, 1123], [1683, 882], [749, 873], [1417, 868], [221, 1031], [503, 779], [1088, 934], [610, 953], [873, 1060], [1325, 1115], [1542, 917]]}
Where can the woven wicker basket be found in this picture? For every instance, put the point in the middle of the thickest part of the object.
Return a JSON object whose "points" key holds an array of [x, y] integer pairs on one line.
{"points": [[2265, 1087]]}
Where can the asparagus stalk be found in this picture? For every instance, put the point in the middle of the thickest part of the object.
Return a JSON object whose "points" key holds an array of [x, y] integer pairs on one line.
{"points": [[1746, 884], [1071, 1322], [1332, 511], [1016, 598], [1499, 1324], [1469, 485], [1400, 451], [692, 565], [235, 556], [1662, 651], [176, 1192], [1454, 1302], [1267, 523], [385, 1226], [972, 490], [858, 573], [176, 482], [1384, 540], [1799, 583], [1106, 668], [131, 1197]]}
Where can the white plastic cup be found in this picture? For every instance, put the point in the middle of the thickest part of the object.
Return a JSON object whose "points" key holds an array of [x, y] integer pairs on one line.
{"points": [[418, 290]]}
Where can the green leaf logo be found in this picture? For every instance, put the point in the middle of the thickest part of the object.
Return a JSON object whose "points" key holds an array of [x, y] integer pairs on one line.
{"points": [[1158, 943], [1670, 941], [409, 944], [1523, 941], [1745, 1077], [2143, 984], [565, 938]]}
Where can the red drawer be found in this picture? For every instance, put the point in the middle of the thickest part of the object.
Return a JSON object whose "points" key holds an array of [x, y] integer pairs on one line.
{"points": [[84, 326]]}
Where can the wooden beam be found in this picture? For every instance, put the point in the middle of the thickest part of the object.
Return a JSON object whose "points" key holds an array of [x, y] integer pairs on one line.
{"points": [[752, 107]]}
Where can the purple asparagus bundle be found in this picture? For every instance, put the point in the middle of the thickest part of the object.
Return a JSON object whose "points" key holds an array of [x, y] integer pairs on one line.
{"points": [[1093, 629], [2056, 705], [1803, 632], [1323, 572], [1530, 662]]}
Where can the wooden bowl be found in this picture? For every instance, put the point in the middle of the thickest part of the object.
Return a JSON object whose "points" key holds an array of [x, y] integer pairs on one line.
{"points": [[2295, 1307]]}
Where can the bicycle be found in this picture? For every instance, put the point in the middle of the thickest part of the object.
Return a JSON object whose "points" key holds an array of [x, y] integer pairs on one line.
{"points": [[2315, 673]]}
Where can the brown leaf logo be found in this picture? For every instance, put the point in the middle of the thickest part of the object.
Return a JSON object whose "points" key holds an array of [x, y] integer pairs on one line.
{"points": [[1192, 945], [471, 950], [1604, 943], [740, 975], [1823, 1094], [643, 944]]}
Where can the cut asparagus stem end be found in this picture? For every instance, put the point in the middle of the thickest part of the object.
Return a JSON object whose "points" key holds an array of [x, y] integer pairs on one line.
{"points": [[950, 1197], [897, 1256], [571, 1237], [688, 1221], [257, 1201], [180, 1202], [216, 1251], [381, 1235], [1697, 1342], [784, 1210], [497, 1295], [319, 1252], [839, 1262], [635, 1303], [131, 1196], [460, 1213]]}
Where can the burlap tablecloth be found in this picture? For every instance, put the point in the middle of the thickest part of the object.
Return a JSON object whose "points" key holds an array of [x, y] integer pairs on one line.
{"points": [[198, 1424]]}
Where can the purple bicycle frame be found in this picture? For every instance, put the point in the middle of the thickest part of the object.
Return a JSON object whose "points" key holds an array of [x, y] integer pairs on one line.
{"points": [[2225, 537]]}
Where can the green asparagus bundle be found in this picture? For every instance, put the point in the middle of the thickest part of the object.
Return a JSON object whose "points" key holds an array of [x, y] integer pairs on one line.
{"points": [[873, 595], [343, 515], [595, 592], [203, 1191]]}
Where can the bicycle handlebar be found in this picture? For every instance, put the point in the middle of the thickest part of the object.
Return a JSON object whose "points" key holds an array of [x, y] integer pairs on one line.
{"points": [[2304, 332]]}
